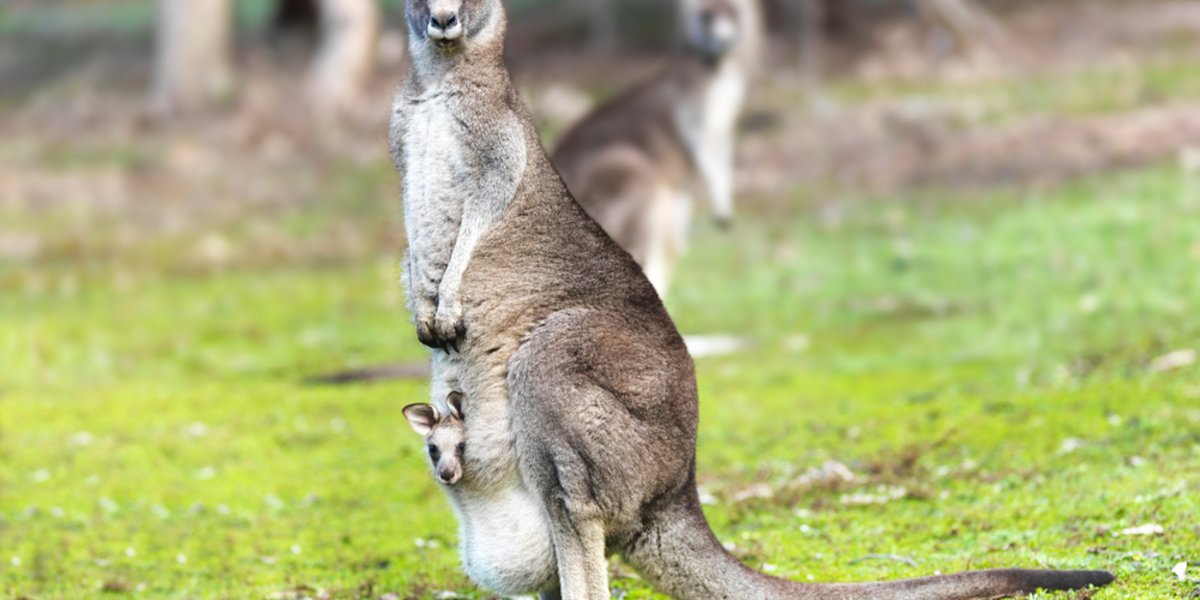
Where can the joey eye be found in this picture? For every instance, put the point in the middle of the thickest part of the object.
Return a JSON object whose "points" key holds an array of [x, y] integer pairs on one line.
{"points": [[462, 447], [434, 453]]}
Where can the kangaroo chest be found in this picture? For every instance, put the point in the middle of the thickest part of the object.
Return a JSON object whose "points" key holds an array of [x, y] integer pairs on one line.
{"points": [[504, 536], [707, 117], [505, 542], [435, 164], [723, 99]]}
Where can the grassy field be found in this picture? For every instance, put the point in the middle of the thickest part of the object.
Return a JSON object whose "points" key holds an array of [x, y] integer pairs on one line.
{"points": [[1008, 374], [989, 365]]}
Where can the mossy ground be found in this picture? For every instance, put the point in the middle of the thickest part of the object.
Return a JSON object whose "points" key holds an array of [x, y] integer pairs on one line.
{"points": [[988, 363], [988, 357]]}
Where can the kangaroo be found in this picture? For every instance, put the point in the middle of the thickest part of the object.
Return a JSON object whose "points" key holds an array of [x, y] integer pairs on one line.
{"points": [[445, 437], [578, 391], [636, 162], [459, 168], [504, 540]]}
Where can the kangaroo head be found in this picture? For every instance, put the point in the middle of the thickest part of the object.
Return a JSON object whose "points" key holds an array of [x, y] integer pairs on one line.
{"points": [[445, 436], [712, 28], [454, 26]]}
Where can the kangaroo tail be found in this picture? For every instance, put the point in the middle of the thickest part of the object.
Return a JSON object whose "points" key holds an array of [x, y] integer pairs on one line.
{"points": [[681, 557]]}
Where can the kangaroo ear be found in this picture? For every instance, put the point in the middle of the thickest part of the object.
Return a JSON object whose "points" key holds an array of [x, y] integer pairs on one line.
{"points": [[422, 417], [454, 401]]}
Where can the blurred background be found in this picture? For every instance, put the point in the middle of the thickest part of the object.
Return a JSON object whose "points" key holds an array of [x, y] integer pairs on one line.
{"points": [[957, 310]]}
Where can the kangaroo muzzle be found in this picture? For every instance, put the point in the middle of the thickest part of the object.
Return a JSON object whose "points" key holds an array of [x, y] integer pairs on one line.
{"points": [[449, 473], [445, 21]]}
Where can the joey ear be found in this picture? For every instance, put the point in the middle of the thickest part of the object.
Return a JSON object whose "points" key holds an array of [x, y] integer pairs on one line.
{"points": [[422, 417], [454, 401]]}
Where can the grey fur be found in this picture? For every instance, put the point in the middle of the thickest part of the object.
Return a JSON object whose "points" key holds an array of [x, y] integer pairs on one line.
{"points": [[455, 186], [444, 434], [580, 401], [504, 540]]}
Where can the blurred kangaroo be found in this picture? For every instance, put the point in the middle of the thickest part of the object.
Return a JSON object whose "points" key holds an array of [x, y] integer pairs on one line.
{"points": [[578, 394], [637, 162]]}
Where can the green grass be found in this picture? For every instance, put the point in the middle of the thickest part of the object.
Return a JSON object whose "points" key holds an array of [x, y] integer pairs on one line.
{"points": [[987, 354], [1103, 89], [983, 359]]}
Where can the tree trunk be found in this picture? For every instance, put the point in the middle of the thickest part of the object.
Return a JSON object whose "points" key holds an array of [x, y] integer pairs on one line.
{"points": [[972, 27], [193, 53], [812, 46], [346, 58], [602, 25], [296, 15]]}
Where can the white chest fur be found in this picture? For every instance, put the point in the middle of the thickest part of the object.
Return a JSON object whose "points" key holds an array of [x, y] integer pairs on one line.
{"points": [[504, 536], [707, 126], [505, 540], [433, 162], [723, 99], [707, 119]]}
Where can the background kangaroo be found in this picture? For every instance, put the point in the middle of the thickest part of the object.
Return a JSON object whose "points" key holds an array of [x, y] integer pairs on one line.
{"points": [[636, 163], [577, 389]]}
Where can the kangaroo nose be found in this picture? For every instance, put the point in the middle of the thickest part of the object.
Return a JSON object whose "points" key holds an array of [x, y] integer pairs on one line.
{"points": [[444, 25], [444, 19]]}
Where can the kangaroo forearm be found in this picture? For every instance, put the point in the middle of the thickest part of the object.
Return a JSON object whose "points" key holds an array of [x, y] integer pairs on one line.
{"points": [[424, 273], [503, 163], [716, 166], [447, 290]]}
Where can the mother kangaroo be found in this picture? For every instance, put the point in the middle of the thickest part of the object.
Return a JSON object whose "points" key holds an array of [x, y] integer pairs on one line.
{"points": [[580, 397]]}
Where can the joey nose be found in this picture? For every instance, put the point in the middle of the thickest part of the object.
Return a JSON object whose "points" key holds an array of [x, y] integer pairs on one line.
{"points": [[448, 474]]}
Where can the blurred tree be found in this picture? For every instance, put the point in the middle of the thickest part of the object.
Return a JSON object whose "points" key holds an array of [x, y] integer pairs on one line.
{"points": [[973, 28], [811, 14], [602, 24], [800, 28], [809, 26], [346, 57], [192, 62], [752, 41], [296, 15], [833, 18]]}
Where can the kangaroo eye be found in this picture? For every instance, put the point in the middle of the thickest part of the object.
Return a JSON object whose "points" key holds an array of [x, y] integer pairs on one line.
{"points": [[434, 453], [462, 447]]}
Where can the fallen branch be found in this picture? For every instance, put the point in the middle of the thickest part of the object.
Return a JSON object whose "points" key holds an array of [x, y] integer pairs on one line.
{"points": [[372, 374]]}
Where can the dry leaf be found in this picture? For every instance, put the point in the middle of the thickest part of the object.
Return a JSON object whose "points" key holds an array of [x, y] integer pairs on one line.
{"points": [[1174, 360], [1148, 529]]}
